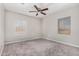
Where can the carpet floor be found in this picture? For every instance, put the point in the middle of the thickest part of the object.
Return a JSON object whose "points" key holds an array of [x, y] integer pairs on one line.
{"points": [[39, 47]]}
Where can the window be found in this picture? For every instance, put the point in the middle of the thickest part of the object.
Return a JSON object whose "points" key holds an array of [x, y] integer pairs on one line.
{"points": [[20, 26]]}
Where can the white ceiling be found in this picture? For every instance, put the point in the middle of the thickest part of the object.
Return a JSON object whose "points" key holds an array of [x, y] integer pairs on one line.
{"points": [[24, 9]]}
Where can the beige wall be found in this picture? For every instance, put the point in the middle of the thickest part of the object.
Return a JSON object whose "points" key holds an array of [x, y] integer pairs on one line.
{"points": [[1, 28], [31, 27], [50, 27]]}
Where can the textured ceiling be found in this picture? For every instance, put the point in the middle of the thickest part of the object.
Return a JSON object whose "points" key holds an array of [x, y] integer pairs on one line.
{"points": [[25, 8]]}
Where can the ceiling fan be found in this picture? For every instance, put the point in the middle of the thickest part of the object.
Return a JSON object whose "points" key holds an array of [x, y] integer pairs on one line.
{"points": [[39, 10]]}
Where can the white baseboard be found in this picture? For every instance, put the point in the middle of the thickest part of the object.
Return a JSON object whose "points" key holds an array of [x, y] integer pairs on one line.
{"points": [[20, 40], [63, 42], [1, 50], [66, 43]]}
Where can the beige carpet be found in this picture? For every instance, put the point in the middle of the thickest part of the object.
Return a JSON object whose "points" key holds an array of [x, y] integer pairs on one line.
{"points": [[39, 47]]}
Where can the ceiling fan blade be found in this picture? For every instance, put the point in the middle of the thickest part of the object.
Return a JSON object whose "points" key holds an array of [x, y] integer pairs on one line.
{"points": [[36, 14], [43, 13], [32, 11], [44, 9], [36, 7]]}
